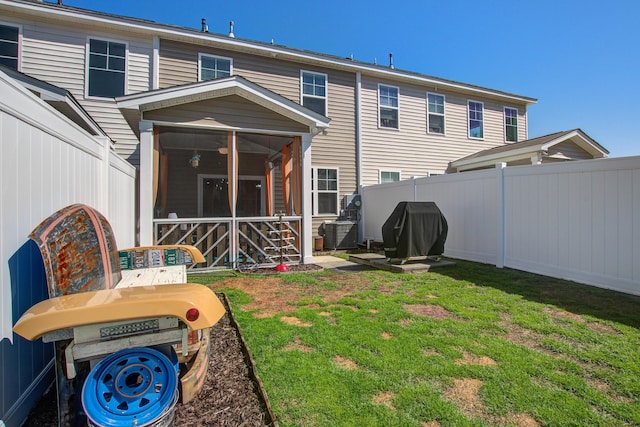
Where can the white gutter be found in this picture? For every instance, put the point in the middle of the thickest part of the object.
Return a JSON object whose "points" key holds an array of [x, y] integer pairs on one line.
{"points": [[272, 51]]}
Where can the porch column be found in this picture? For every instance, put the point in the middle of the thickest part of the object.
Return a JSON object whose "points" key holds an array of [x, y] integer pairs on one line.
{"points": [[306, 231], [146, 183]]}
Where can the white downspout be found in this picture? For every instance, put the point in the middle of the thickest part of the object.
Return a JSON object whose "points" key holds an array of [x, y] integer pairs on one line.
{"points": [[359, 152], [155, 64]]}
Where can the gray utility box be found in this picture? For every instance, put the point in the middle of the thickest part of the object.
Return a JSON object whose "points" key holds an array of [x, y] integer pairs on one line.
{"points": [[340, 235]]}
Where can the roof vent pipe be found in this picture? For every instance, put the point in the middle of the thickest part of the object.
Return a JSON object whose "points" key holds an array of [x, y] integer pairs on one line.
{"points": [[205, 27], [231, 30], [391, 61]]}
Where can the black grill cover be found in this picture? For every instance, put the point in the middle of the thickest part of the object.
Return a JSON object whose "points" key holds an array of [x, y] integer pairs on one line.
{"points": [[414, 229]]}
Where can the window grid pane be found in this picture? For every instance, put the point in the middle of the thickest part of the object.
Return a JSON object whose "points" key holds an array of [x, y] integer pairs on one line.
{"points": [[326, 188], [107, 66], [213, 67], [386, 176], [314, 92], [476, 120], [9, 46], [435, 116], [388, 106], [511, 124]]}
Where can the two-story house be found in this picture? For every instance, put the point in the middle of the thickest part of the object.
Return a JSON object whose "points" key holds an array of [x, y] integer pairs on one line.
{"points": [[227, 132]]}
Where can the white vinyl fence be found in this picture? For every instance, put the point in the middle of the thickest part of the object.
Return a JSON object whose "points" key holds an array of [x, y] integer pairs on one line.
{"points": [[575, 220], [47, 162]]}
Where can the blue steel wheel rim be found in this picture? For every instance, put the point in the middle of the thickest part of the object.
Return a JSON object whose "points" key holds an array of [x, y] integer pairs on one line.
{"points": [[134, 386]]}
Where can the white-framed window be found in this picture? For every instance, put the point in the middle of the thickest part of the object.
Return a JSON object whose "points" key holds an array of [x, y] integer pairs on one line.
{"points": [[435, 113], [389, 176], [388, 106], [510, 124], [313, 91], [476, 119], [324, 188], [106, 68], [10, 46], [214, 67]]}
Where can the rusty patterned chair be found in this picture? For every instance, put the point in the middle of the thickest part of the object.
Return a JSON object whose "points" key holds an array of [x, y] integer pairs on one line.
{"points": [[123, 354]]}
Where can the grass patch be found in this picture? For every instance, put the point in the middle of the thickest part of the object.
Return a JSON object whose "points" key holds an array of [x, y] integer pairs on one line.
{"points": [[467, 346]]}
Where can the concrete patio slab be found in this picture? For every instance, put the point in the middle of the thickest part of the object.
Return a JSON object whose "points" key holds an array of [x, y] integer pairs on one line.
{"points": [[412, 266]]}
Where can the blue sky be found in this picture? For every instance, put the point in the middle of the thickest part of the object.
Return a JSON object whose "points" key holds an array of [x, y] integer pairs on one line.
{"points": [[579, 58]]}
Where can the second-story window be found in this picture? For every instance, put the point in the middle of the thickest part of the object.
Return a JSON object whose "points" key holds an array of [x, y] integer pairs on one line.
{"points": [[388, 106], [314, 91], [511, 124], [476, 119], [214, 67], [9, 46], [435, 113], [107, 68]]}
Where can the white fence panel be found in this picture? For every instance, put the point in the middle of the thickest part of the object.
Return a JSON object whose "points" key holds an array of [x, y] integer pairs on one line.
{"points": [[577, 221], [469, 203], [574, 220], [46, 163], [122, 193]]}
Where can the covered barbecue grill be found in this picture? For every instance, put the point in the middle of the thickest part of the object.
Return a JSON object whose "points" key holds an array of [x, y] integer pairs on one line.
{"points": [[414, 229]]}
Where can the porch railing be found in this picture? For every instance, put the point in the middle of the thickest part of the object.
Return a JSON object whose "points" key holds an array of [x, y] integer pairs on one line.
{"points": [[235, 243]]}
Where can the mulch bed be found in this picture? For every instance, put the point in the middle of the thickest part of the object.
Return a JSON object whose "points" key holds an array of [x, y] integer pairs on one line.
{"points": [[230, 396]]}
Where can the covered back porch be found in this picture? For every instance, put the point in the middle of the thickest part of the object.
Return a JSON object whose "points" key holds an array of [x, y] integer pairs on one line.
{"points": [[225, 165]]}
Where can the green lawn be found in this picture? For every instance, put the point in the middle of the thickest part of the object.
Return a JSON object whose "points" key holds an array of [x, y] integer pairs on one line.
{"points": [[470, 345]]}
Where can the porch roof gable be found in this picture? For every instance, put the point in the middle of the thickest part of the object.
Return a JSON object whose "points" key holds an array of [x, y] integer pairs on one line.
{"points": [[233, 85], [525, 149]]}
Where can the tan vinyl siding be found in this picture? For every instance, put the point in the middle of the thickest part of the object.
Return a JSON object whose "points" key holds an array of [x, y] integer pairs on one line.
{"points": [[56, 54], [226, 112], [569, 149], [410, 148]]}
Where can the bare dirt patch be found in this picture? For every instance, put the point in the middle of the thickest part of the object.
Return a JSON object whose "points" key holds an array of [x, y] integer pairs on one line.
{"points": [[429, 310], [373, 311], [386, 336], [465, 393], [432, 423], [345, 363], [270, 295], [290, 320], [472, 359], [385, 399], [567, 315], [520, 420], [430, 352], [297, 345], [404, 322]]}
